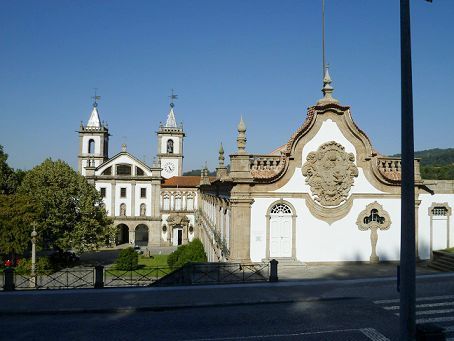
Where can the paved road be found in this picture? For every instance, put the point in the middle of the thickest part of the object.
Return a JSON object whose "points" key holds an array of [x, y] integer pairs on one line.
{"points": [[333, 310], [341, 319]]}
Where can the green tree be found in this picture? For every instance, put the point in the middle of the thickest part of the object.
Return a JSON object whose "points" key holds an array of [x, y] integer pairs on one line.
{"points": [[71, 211], [8, 179], [17, 213], [127, 259]]}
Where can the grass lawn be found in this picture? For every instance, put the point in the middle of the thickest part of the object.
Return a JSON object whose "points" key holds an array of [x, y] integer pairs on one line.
{"points": [[154, 261], [450, 250]]}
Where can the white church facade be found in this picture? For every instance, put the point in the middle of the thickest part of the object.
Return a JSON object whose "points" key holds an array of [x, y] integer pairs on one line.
{"points": [[325, 196]]}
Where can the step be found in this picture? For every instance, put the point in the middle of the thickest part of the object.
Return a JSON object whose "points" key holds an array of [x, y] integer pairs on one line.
{"points": [[438, 267]]}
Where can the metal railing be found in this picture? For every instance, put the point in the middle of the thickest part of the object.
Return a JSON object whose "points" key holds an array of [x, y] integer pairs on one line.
{"points": [[100, 277]]}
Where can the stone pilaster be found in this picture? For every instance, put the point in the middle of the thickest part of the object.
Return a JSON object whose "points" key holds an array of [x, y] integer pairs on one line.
{"points": [[133, 199], [240, 229], [154, 238]]}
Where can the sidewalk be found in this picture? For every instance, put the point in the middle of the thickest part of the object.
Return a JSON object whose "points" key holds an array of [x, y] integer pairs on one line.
{"points": [[297, 283]]}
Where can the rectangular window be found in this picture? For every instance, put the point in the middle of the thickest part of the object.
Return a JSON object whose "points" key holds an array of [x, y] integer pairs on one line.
{"points": [[122, 192], [103, 192], [143, 192]]}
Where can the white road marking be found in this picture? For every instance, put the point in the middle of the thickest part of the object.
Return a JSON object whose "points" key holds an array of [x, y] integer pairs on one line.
{"points": [[431, 312], [449, 328], [371, 333], [418, 299], [435, 319], [427, 305]]}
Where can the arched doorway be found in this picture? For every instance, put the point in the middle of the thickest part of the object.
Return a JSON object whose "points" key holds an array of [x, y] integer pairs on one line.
{"points": [[141, 235], [280, 232], [122, 234]]}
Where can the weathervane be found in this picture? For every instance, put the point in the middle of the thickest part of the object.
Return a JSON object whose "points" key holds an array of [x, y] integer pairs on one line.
{"points": [[95, 98], [172, 97]]}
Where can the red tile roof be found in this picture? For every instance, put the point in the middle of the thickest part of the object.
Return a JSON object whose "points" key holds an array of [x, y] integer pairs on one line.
{"points": [[182, 181]]}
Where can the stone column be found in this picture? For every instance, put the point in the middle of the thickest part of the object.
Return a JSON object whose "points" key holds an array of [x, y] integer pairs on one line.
{"points": [[112, 203], [240, 229], [133, 199]]}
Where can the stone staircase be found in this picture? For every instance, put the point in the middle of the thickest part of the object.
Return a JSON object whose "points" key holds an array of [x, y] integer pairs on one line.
{"points": [[442, 261]]}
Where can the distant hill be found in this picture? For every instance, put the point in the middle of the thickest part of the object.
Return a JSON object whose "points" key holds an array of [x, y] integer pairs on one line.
{"points": [[436, 164], [197, 172]]}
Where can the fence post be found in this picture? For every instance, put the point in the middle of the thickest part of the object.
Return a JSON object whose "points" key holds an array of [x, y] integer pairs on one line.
{"points": [[99, 277], [273, 270], [8, 285]]}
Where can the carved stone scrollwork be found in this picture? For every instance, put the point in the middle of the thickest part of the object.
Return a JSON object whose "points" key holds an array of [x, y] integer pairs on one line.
{"points": [[373, 218], [330, 172]]}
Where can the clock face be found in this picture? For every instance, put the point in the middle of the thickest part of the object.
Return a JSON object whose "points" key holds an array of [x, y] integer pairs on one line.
{"points": [[169, 167]]}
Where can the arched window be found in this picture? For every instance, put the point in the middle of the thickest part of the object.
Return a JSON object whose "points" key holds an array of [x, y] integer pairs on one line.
{"points": [[91, 146], [190, 202], [178, 202], [281, 209], [139, 171], [166, 202], [107, 171], [170, 146], [123, 210], [143, 210]]}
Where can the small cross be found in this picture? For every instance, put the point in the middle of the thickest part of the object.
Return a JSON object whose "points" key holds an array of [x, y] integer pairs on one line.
{"points": [[172, 97], [95, 98]]}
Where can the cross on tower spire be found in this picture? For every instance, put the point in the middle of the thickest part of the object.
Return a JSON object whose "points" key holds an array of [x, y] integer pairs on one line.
{"points": [[172, 97], [95, 98]]}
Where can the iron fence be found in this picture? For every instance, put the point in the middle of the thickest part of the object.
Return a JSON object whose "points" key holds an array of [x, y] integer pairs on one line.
{"points": [[229, 273], [63, 279]]}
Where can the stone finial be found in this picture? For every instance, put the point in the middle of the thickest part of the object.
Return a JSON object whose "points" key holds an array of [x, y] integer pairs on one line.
{"points": [[327, 89], [241, 139], [221, 155], [123, 147]]}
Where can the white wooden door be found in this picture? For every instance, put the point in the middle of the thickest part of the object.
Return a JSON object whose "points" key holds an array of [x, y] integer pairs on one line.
{"points": [[281, 236]]}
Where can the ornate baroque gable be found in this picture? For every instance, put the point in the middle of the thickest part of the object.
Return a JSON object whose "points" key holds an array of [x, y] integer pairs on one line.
{"points": [[329, 172]]}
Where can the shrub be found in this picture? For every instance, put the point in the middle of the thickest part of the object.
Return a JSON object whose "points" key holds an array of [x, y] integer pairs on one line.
{"points": [[127, 259], [43, 265], [192, 252]]}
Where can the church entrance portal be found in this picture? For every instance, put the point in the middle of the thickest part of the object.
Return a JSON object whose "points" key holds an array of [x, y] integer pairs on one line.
{"points": [[141, 235], [122, 236]]}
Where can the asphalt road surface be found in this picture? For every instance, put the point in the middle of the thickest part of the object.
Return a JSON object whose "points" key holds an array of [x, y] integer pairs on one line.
{"points": [[358, 312]]}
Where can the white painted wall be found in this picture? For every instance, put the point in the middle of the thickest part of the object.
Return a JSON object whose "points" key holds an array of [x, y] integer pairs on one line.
{"points": [[119, 200], [317, 241], [108, 199], [329, 131], [424, 222], [139, 200]]}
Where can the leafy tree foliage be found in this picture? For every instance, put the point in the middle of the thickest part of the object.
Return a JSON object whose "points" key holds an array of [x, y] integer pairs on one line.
{"points": [[17, 213], [191, 252], [71, 212], [8, 178], [436, 164], [127, 259]]}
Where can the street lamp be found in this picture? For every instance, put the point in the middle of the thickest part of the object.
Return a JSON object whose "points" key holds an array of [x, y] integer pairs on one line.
{"points": [[33, 274]]}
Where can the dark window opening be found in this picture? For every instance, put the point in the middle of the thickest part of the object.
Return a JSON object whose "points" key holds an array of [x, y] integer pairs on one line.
{"points": [[122, 192], [124, 170], [107, 171], [103, 192], [91, 146], [139, 171], [170, 146], [143, 192]]}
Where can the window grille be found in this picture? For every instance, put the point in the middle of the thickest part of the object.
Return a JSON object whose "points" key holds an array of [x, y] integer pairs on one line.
{"points": [[123, 170], [281, 208], [440, 211]]}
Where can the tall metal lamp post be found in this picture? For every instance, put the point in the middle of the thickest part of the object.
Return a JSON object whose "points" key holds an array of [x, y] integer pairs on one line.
{"points": [[33, 236], [407, 248]]}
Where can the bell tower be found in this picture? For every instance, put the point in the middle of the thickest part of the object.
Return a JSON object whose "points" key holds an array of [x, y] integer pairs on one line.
{"points": [[170, 144], [93, 141]]}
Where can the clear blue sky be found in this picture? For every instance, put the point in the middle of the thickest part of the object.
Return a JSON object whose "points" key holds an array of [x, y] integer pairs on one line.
{"points": [[258, 58]]}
